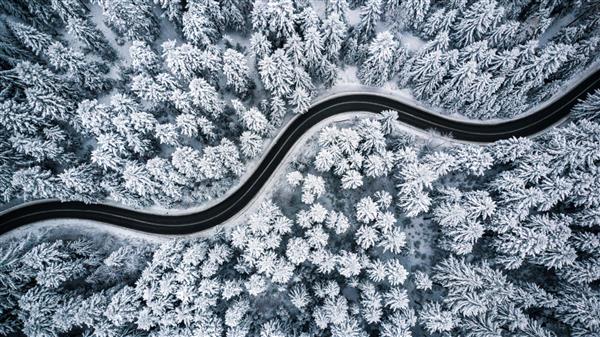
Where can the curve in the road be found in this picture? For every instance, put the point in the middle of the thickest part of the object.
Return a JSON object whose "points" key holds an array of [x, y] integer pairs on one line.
{"points": [[531, 124]]}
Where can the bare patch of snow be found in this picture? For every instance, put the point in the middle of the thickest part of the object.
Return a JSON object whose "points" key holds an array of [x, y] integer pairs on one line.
{"points": [[97, 17], [410, 41], [318, 6], [555, 27], [353, 17]]}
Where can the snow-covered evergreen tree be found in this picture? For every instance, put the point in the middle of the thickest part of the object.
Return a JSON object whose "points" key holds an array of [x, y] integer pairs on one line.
{"points": [[30, 37], [379, 65], [143, 57], [312, 47], [201, 22], [274, 17], [132, 19], [235, 70], [413, 12], [206, 97], [369, 16], [276, 73], [84, 30], [479, 20], [251, 144], [334, 34]]}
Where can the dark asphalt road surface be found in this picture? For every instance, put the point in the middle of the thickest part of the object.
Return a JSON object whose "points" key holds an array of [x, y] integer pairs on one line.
{"points": [[529, 125]]}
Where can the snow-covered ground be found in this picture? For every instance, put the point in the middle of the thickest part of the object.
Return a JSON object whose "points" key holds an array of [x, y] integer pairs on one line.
{"points": [[79, 227], [348, 83]]}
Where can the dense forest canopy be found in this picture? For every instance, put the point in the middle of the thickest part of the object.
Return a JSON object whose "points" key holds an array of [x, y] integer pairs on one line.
{"points": [[121, 99], [373, 231]]}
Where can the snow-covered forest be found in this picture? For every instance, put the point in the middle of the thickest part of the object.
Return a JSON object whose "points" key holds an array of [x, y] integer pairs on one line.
{"points": [[428, 240], [375, 230], [168, 103]]}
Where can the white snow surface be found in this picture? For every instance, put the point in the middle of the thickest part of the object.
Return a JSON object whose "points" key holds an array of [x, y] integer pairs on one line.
{"points": [[81, 227], [411, 42], [353, 16]]}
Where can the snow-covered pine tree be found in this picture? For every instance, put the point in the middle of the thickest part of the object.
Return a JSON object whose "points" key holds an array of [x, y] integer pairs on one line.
{"points": [[84, 30], [379, 66], [81, 182], [199, 26], [235, 13], [187, 160], [370, 15], [294, 49], [250, 144], [476, 22], [300, 99], [339, 7], [252, 119], [137, 179], [186, 61], [334, 34], [276, 73], [143, 58], [412, 13], [85, 72], [260, 45], [35, 183], [235, 70], [134, 20], [439, 21], [589, 108], [277, 110], [30, 37], [274, 18], [172, 10], [313, 47], [206, 97]]}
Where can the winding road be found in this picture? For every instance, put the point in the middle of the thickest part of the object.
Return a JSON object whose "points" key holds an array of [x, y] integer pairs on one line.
{"points": [[531, 124]]}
